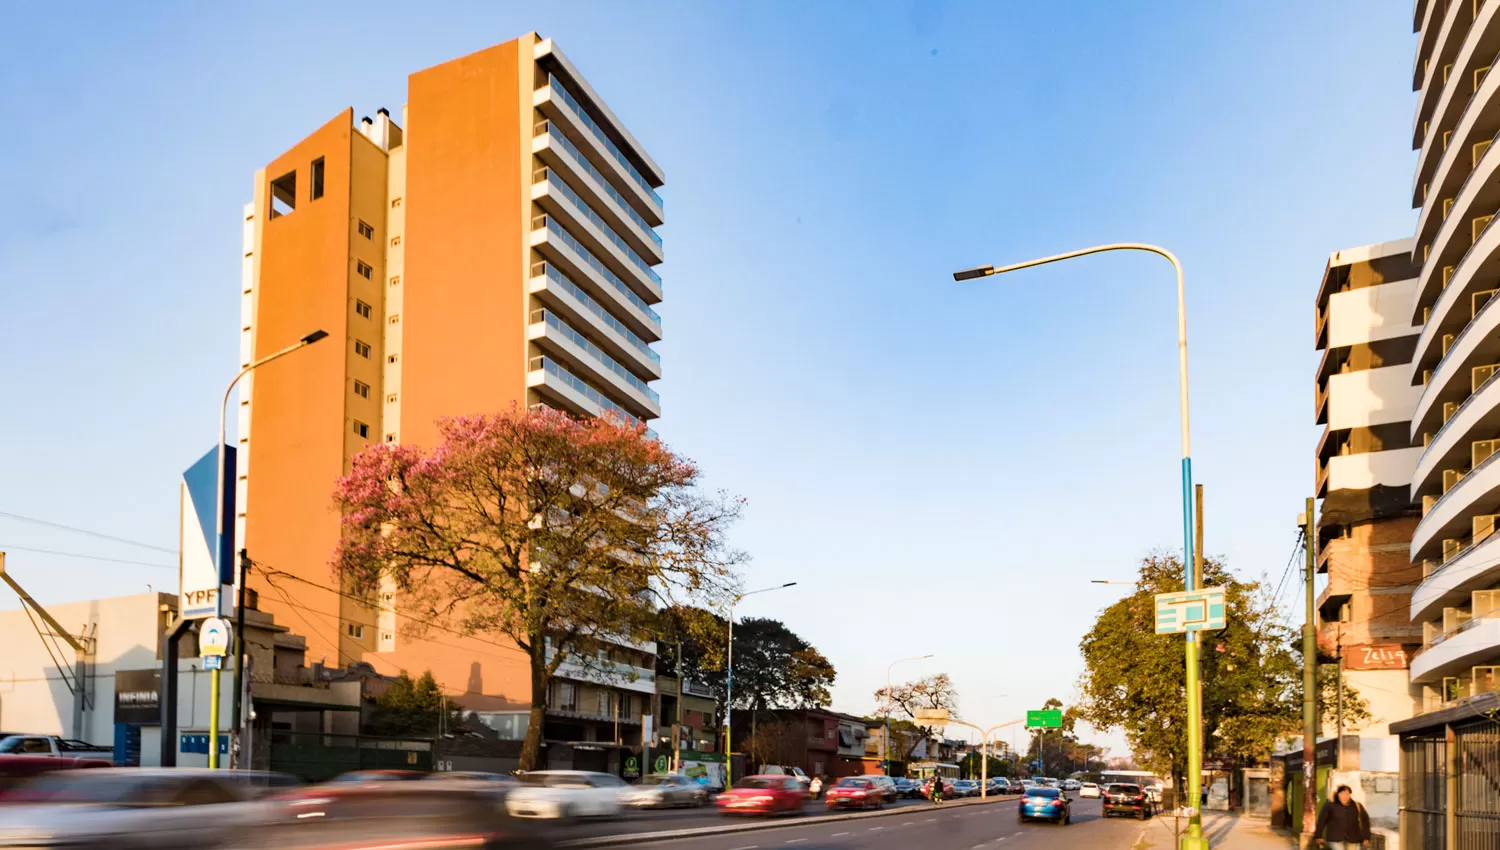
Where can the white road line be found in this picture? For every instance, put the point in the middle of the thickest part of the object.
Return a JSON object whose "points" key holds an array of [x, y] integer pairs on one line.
{"points": [[747, 847], [795, 840], [837, 834], [907, 822], [876, 828], [930, 820]]}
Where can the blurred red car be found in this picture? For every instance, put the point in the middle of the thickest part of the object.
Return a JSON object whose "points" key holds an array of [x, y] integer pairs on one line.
{"points": [[947, 788], [15, 770], [856, 792], [763, 795]]}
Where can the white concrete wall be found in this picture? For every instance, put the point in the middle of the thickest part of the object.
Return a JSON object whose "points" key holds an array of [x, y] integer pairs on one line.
{"points": [[1372, 313], [1388, 693], [1363, 471], [34, 698], [1371, 397]]}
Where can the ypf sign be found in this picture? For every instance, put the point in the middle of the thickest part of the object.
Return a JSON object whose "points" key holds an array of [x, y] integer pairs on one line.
{"points": [[204, 587]]}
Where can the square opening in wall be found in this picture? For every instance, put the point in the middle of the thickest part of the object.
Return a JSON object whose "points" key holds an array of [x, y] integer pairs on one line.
{"points": [[284, 194]]}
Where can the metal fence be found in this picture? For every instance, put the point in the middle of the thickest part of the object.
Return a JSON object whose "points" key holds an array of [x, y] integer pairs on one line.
{"points": [[1424, 792], [1477, 803], [318, 756]]}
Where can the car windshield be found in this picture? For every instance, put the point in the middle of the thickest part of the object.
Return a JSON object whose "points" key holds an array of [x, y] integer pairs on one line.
{"points": [[1118, 788], [758, 782], [850, 782], [659, 780], [1041, 792], [82, 787]]}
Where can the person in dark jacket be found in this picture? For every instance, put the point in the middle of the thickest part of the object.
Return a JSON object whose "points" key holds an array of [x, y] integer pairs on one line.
{"points": [[1343, 823]]}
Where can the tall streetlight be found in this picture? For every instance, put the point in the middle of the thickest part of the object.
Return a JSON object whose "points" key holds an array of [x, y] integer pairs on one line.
{"points": [[1194, 839], [729, 682], [885, 746], [239, 617]]}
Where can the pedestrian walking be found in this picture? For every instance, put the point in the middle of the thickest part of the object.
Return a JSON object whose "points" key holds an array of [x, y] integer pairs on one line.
{"points": [[816, 788], [1343, 824]]}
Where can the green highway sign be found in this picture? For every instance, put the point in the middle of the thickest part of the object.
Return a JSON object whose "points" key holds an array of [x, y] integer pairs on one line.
{"points": [[1044, 719], [1190, 611]]}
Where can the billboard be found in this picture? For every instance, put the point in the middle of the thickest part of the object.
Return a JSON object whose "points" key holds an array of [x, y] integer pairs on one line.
{"points": [[201, 585]]}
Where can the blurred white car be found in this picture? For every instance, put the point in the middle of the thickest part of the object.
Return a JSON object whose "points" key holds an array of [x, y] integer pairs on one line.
{"points": [[1088, 789], [134, 807], [662, 790], [564, 794]]}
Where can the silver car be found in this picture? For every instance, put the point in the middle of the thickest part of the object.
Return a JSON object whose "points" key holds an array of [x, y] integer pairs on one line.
{"points": [[126, 808], [664, 790]]}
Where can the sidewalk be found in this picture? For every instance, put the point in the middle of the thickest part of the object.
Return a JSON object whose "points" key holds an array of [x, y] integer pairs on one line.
{"points": [[1224, 831]]}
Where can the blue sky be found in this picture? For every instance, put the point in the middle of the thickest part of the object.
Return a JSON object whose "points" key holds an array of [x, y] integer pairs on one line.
{"points": [[941, 467]]}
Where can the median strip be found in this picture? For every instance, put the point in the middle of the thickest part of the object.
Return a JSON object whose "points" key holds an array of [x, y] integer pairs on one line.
{"points": [[750, 826]]}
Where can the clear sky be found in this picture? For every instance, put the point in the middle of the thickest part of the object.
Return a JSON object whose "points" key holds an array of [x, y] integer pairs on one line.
{"points": [[941, 467]]}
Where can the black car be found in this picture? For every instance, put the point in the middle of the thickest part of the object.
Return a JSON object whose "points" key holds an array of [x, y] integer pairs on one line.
{"points": [[1016, 787], [908, 789], [1120, 798]]}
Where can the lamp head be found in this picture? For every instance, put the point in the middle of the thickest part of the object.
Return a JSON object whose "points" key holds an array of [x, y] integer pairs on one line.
{"points": [[977, 272]]}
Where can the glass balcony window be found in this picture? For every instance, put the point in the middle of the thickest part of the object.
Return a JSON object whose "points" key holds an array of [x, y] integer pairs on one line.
{"points": [[555, 275], [553, 368], [593, 262], [551, 320], [583, 209], [581, 163], [581, 115]]}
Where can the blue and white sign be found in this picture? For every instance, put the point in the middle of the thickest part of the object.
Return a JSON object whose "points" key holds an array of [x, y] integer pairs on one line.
{"points": [[213, 662], [1190, 611], [204, 588], [214, 638], [199, 744]]}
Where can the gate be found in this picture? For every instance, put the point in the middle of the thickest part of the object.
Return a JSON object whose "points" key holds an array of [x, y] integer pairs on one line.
{"points": [[1424, 792], [1477, 807], [319, 756]]}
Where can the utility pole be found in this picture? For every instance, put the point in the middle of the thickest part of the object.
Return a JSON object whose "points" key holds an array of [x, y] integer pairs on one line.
{"points": [[1338, 754], [1198, 582], [239, 716], [677, 732], [1309, 685]]}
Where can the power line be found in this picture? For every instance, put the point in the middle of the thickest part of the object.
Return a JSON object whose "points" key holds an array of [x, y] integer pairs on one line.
{"points": [[87, 532], [7, 546]]}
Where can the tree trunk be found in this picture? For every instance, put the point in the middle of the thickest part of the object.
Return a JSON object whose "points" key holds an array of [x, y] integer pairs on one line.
{"points": [[531, 748]]}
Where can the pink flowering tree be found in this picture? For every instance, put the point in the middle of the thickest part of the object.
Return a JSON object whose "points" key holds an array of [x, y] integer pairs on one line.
{"points": [[563, 535]]}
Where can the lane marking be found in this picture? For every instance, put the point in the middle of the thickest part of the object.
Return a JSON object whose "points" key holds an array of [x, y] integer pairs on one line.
{"points": [[907, 822], [795, 840], [930, 820], [876, 828], [747, 847], [837, 834]]}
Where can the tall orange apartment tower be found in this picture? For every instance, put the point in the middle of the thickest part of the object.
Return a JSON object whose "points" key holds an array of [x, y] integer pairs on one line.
{"points": [[497, 247]]}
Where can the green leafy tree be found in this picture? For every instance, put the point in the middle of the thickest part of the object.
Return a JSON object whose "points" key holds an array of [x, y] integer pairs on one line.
{"points": [[1134, 679], [413, 708]]}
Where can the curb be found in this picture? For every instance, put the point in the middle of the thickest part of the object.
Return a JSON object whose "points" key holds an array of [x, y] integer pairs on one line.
{"points": [[754, 825]]}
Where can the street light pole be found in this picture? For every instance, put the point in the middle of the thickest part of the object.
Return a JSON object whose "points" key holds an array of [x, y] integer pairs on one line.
{"points": [[885, 744], [729, 684], [1194, 839], [239, 636]]}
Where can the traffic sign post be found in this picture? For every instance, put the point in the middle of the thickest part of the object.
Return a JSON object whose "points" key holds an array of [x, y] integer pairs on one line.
{"points": [[215, 637], [1190, 611]]}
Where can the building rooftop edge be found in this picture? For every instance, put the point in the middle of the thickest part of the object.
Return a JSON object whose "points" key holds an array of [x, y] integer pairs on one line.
{"points": [[545, 48]]}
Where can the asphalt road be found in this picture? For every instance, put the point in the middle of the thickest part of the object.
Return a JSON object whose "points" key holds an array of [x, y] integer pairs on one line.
{"points": [[990, 826], [656, 820]]}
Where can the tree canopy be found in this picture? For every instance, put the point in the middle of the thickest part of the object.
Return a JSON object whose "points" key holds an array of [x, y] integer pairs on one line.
{"points": [[563, 535], [413, 708], [774, 667], [1135, 680], [906, 699]]}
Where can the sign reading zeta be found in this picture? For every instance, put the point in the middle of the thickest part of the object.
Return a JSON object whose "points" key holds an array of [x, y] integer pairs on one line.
{"points": [[1044, 719], [1190, 611]]}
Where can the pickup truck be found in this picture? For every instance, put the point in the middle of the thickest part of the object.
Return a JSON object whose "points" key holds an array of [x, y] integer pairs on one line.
{"points": [[52, 746]]}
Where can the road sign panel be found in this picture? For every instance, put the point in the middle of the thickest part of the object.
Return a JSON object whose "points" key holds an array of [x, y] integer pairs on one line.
{"points": [[932, 716], [1200, 610], [1044, 719], [213, 662]]}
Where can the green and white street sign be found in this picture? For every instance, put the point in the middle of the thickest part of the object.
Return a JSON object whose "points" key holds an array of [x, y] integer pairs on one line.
{"points": [[1044, 719], [1190, 611]]}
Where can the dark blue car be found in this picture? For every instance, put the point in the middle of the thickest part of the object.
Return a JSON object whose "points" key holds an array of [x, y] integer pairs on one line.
{"points": [[1044, 804]]}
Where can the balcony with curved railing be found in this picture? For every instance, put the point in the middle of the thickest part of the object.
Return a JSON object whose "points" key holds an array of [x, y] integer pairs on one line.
{"points": [[1475, 642], [1451, 516], [1435, 96], [1478, 123], [1473, 345], [1474, 567], [1476, 418]]}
